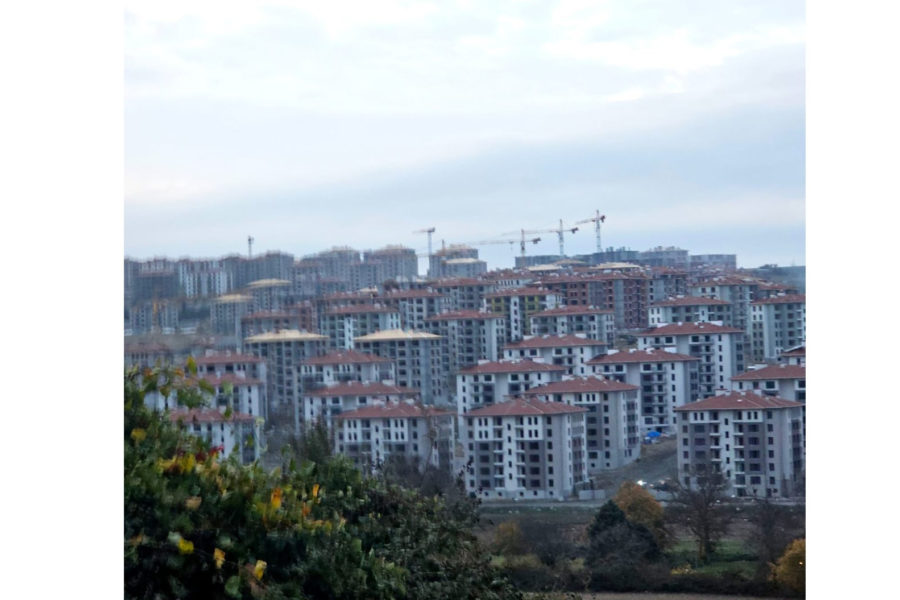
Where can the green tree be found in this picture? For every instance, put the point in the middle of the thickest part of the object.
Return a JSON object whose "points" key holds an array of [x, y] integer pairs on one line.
{"points": [[200, 527], [642, 508], [616, 545], [790, 570]]}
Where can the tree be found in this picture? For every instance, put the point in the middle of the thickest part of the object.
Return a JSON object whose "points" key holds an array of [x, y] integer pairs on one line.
{"points": [[790, 570], [701, 510], [772, 528], [508, 539], [200, 527], [616, 544], [642, 508]]}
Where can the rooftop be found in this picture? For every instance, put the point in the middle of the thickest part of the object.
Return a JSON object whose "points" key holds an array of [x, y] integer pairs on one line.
{"points": [[581, 385], [286, 335], [510, 366], [525, 407], [345, 357], [688, 328], [639, 356], [226, 358], [773, 372], [738, 401], [356, 388], [690, 301], [389, 335], [572, 310], [553, 341], [394, 410], [261, 283], [782, 299], [464, 314]]}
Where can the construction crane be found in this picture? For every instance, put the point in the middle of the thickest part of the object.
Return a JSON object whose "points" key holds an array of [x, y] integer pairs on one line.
{"points": [[597, 220], [429, 231], [558, 231]]}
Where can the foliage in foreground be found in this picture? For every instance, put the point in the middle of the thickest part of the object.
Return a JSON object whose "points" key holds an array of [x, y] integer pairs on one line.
{"points": [[200, 527], [790, 570]]}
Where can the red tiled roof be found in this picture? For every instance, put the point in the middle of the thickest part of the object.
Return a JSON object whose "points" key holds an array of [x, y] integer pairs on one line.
{"points": [[725, 280], [404, 294], [223, 359], [579, 385], [690, 301], [787, 298], [524, 407], [686, 328], [356, 388], [554, 341], [639, 356], [393, 410], [572, 310], [520, 291], [510, 366], [360, 308], [345, 357], [230, 378], [464, 314], [773, 372], [460, 281], [207, 415], [738, 401]]}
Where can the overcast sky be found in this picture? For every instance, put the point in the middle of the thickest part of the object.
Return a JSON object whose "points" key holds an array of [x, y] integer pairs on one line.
{"points": [[314, 124]]}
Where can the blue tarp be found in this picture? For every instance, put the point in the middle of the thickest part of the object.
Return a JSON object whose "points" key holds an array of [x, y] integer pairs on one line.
{"points": [[653, 434]]}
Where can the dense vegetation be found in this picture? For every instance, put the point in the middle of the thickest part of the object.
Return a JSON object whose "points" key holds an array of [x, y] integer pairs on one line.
{"points": [[197, 526]]}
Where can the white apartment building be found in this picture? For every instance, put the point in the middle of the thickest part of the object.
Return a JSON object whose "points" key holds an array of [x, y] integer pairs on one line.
{"points": [[491, 382], [612, 432], [324, 404], [417, 356], [782, 380], [778, 323], [755, 442], [665, 380], [570, 351], [269, 320], [283, 352], [594, 323], [270, 294], [464, 293], [794, 356], [736, 290], [525, 448], [518, 304], [239, 433], [344, 324], [227, 311], [343, 366], [239, 381], [467, 337], [415, 306], [372, 435], [720, 350], [691, 309]]}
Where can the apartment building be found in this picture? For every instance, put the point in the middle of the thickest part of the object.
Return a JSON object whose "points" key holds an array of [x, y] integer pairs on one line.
{"points": [[721, 350], [517, 305], [392, 262], [161, 316], [612, 433], [489, 382], [283, 352], [238, 433], [626, 293], [778, 323], [269, 320], [721, 262], [665, 380], [739, 291], [467, 337], [271, 265], [270, 294], [670, 256], [343, 366], [786, 381], [570, 351], [344, 324], [417, 434], [463, 293], [525, 448], [227, 311], [755, 442], [415, 306], [437, 262], [323, 404], [665, 282], [794, 356], [239, 381], [594, 323], [202, 278], [691, 309], [417, 356]]}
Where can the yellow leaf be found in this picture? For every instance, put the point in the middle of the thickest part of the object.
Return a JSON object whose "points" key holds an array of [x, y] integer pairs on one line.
{"points": [[193, 503], [185, 546], [276, 498], [315, 491], [259, 569], [138, 434], [219, 557], [306, 509]]}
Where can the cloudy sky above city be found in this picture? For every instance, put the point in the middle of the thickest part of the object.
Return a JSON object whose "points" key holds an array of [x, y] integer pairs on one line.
{"points": [[315, 124]]}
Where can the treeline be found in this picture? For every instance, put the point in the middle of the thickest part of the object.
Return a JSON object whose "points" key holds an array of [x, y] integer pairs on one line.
{"points": [[634, 544], [197, 526]]}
